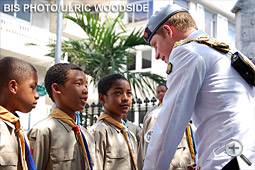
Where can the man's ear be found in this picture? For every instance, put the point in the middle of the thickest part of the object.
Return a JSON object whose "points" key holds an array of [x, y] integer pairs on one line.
{"points": [[13, 86], [168, 30], [102, 98], [55, 88]]}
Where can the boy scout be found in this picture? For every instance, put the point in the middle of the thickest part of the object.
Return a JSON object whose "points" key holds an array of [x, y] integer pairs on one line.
{"points": [[17, 93], [182, 158], [115, 146], [56, 141]]}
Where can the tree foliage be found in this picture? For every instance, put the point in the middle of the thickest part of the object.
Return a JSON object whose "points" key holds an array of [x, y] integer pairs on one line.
{"points": [[107, 51]]}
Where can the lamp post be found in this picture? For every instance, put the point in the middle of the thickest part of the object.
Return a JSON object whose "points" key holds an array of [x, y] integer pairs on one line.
{"points": [[59, 32]]}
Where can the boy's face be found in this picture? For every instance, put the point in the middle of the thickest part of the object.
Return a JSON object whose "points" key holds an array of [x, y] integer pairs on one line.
{"points": [[161, 90], [118, 99], [74, 93], [26, 94]]}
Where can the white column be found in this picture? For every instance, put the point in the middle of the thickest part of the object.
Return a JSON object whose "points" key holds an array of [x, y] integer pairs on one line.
{"points": [[138, 60], [221, 28], [200, 17], [193, 9]]}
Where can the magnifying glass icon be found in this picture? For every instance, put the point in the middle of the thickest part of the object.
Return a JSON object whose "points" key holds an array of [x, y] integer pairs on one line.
{"points": [[235, 148]]}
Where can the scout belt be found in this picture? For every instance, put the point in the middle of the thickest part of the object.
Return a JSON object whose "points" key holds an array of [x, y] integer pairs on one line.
{"points": [[241, 63]]}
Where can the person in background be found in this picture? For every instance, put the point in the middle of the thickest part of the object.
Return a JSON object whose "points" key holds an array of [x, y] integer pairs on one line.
{"points": [[116, 146], [57, 142], [202, 84], [182, 158], [18, 84], [160, 93]]}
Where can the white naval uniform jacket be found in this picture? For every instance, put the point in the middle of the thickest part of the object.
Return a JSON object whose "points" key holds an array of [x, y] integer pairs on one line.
{"points": [[203, 85]]}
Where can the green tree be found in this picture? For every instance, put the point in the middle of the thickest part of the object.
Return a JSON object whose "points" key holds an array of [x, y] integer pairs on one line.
{"points": [[107, 51]]}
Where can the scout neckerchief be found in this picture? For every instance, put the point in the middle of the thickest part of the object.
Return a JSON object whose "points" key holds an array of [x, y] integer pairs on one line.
{"points": [[57, 113], [27, 159], [192, 145], [114, 122], [124, 123], [84, 139]]}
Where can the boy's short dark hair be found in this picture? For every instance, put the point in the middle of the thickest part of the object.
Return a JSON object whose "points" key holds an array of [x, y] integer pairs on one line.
{"points": [[12, 68], [161, 85], [58, 73], [107, 81]]}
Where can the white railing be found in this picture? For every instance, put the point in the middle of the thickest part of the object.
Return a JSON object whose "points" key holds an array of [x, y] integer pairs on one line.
{"points": [[15, 36], [24, 31]]}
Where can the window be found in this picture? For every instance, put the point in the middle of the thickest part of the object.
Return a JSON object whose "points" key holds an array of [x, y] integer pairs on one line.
{"points": [[9, 2], [132, 66], [18, 5], [209, 24], [231, 34], [183, 3], [140, 16], [146, 59]]}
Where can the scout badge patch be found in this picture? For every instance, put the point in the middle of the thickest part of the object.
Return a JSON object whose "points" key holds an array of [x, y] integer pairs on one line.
{"points": [[147, 136]]}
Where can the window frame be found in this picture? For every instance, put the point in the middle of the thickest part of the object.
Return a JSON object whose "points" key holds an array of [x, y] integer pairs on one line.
{"points": [[15, 14], [133, 13]]}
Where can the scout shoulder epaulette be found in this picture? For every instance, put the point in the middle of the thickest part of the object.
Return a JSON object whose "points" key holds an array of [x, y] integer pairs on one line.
{"points": [[240, 62]]}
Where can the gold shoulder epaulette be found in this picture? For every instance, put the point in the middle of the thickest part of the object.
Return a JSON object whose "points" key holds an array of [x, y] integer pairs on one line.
{"points": [[241, 63], [221, 46]]}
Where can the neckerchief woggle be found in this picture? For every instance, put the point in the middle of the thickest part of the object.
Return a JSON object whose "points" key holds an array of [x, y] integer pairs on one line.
{"points": [[128, 134]]}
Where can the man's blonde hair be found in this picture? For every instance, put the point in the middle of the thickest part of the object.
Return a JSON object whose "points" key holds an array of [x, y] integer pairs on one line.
{"points": [[183, 21]]}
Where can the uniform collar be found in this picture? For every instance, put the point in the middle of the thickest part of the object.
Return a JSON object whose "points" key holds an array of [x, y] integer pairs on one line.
{"points": [[66, 126], [2, 109], [116, 128], [9, 124], [197, 33]]}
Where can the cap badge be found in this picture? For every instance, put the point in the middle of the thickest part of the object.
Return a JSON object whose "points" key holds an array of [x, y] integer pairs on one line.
{"points": [[147, 33]]}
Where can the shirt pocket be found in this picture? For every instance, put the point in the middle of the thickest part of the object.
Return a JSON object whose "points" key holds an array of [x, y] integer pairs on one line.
{"points": [[116, 159], [8, 159], [117, 155], [63, 158]]}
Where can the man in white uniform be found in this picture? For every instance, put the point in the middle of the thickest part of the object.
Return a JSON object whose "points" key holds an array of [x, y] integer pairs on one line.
{"points": [[202, 85]]}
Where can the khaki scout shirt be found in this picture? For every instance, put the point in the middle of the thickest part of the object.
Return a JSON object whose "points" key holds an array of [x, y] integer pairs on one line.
{"points": [[10, 154], [136, 130], [182, 156], [112, 151], [55, 147]]}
